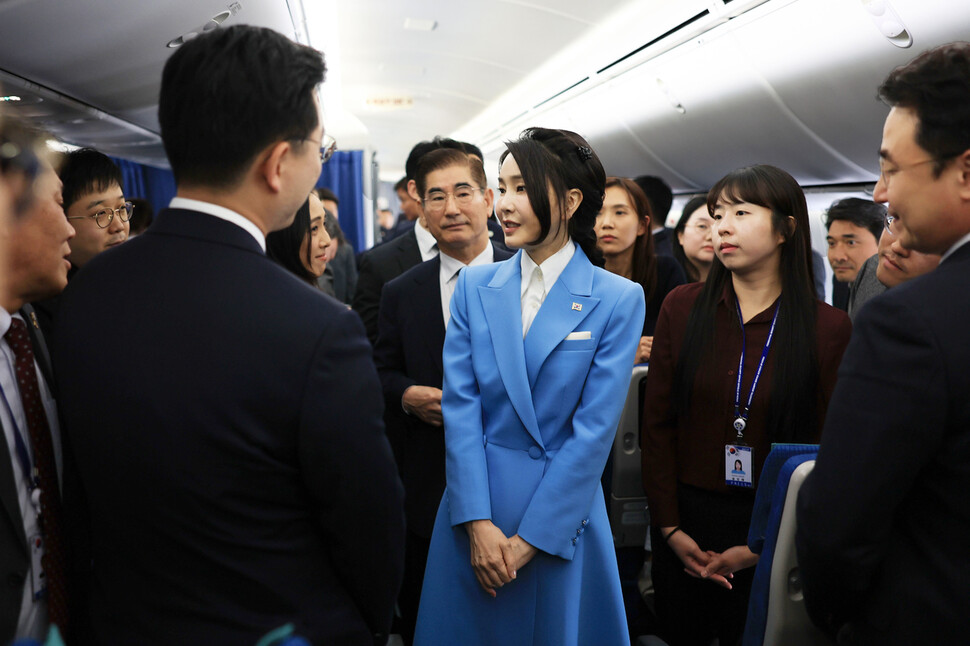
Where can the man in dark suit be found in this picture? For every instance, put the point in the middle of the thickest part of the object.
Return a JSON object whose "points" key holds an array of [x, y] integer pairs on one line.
{"points": [[884, 518], [233, 453], [408, 247], [414, 313], [33, 543]]}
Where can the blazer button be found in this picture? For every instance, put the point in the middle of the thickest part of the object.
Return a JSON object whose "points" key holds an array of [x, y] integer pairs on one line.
{"points": [[574, 541], [535, 452], [586, 522]]}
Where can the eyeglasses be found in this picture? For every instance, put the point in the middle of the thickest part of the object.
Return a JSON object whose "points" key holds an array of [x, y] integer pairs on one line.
{"points": [[702, 227], [104, 216], [328, 146], [463, 197], [886, 174], [888, 221]]}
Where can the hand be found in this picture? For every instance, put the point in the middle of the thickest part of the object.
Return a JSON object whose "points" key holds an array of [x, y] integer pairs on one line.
{"points": [[491, 555], [424, 402], [689, 553], [643, 350], [729, 561], [522, 553]]}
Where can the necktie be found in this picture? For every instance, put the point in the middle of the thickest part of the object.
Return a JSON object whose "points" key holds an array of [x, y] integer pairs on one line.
{"points": [[534, 294], [54, 561]]}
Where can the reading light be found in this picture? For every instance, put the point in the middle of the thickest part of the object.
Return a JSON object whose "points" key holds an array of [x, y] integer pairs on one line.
{"points": [[888, 23]]}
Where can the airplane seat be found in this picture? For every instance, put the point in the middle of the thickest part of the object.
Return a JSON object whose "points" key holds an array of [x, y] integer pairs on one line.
{"points": [[629, 517], [776, 609]]}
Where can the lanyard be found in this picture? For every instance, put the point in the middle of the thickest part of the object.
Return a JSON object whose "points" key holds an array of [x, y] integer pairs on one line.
{"points": [[741, 415], [22, 453]]}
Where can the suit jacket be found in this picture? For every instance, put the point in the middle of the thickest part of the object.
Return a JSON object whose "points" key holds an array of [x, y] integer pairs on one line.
{"points": [[408, 353], [377, 266], [884, 518], [865, 286], [14, 555], [528, 426], [662, 242], [227, 429]]}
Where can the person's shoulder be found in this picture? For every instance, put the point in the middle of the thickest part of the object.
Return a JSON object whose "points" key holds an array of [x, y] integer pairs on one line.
{"points": [[391, 248], [831, 319], [482, 274], [420, 273], [684, 294]]}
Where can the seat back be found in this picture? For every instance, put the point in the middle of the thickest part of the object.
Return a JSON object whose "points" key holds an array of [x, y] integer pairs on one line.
{"points": [[629, 517], [776, 610]]}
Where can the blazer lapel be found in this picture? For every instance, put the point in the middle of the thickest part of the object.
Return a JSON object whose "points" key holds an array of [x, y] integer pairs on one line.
{"points": [[502, 304], [566, 306]]}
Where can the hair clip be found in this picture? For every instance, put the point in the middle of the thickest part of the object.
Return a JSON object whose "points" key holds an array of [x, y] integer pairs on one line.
{"points": [[584, 152]]}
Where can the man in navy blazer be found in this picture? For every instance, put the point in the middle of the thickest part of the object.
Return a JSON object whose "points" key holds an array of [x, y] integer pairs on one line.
{"points": [[227, 416], [884, 518], [413, 315]]}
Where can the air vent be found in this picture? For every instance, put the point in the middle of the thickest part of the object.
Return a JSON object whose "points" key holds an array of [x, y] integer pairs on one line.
{"points": [[560, 93], [654, 41], [213, 23]]}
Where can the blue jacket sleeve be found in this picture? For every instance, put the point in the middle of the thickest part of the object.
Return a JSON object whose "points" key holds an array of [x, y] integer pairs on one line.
{"points": [[467, 492]]}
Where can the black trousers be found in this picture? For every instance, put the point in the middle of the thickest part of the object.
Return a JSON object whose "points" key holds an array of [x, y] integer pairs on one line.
{"points": [[415, 559], [694, 611]]}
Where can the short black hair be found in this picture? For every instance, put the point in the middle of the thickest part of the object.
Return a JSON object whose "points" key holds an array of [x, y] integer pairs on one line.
{"points": [[86, 171], [228, 94], [445, 158], [658, 194], [935, 85], [325, 193], [862, 213], [423, 148], [557, 161], [283, 246]]}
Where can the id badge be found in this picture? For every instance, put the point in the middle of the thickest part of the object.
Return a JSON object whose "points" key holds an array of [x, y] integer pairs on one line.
{"points": [[737, 466], [38, 580]]}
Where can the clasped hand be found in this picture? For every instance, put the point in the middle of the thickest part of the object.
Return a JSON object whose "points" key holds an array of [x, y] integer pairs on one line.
{"points": [[424, 402], [496, 558], [718, 568]]}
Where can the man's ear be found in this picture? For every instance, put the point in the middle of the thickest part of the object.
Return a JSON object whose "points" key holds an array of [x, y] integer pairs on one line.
{"points": [[271, 166], [413, 190], [963, 165]]}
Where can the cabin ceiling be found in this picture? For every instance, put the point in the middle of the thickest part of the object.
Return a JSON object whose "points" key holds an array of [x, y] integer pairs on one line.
{"points": [[790, 82]]}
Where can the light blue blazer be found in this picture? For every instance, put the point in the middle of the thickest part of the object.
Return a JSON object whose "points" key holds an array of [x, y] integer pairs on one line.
{"points": [[528, 428]]}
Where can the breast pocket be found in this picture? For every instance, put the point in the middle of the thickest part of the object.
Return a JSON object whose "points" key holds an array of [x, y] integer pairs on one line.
{"points": [[573, 345]]}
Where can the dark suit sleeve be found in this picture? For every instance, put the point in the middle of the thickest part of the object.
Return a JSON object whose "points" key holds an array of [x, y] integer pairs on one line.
{"points": [[348, 468], [389, 349], [367, 296], [885, 421]]}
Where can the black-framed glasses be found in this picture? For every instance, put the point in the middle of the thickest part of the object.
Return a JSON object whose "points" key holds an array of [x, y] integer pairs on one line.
{"points": [[104, 216], [328, 146], [463, 197]]}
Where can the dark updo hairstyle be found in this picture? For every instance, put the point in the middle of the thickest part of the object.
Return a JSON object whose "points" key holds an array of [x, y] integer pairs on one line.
{"points": [[695, 203], [283, 246], [561, 160], [793, 408]]}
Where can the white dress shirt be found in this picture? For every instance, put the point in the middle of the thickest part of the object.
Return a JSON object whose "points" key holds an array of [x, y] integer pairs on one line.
{"points": [[448, 276], [427, 245], [538, 279], [959, 243], [222, 213], [33, 614]]}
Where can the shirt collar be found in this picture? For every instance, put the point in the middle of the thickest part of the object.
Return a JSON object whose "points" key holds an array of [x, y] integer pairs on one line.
{"points": [[5, 319], [427, 245], [959, 243], [551, 267], [451, 265], [222, 213]]}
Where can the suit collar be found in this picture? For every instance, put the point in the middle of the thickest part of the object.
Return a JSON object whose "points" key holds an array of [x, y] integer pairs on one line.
{"points": [[202, 226], [222, 213], [960, 249]]}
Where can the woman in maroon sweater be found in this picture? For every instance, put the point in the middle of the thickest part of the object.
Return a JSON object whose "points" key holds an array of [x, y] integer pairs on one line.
{"points": [[746, 359]]}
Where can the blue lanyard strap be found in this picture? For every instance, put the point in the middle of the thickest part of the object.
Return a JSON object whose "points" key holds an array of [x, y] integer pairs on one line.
{"points": [[22, 453], [741, 416]]}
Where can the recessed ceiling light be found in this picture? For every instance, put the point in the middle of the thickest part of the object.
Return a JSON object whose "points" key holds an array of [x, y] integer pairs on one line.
{"points": [[420, 24], [10, 98]]}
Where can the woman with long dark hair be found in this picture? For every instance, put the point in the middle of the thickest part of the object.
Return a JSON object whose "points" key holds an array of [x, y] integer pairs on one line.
{"points": [[692, 243], [743, 360], [624, 237], [537, 360], [301, 247]]}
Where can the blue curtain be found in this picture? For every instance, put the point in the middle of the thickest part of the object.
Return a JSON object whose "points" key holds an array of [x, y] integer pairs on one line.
{"points": [[344, 175], [157, 185]]}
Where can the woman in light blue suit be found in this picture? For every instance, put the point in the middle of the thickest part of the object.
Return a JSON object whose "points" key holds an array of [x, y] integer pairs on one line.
{"points": [[537, 359]]}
